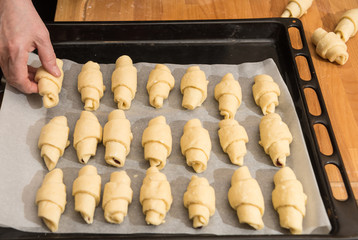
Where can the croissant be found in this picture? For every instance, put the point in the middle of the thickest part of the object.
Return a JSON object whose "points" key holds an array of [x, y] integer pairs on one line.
{"points": [[199, 198], [296, 8], [289, 200], [124, 82], [90, 85], [330, 46], [347, 25], [275, 138], [196, 145], [117, 195], [157, 142], [53, 140], [49, 85], [160, 82], [117, 137], [155, 196], [228, 94], [246, 198], [86, 136], [266, 93], [193, 86], [51, 199], [87, 192], [233, 139]]}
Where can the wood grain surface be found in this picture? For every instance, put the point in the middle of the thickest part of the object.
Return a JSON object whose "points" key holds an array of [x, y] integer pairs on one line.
{"points": [[339, 84]]}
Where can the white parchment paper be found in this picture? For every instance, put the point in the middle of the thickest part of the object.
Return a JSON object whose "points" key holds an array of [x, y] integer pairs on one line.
{"points": [[22, 169]]}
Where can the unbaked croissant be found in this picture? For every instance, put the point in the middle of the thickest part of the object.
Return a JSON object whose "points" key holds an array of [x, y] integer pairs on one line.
{"points": [[117, 138], [348, 25], [228, 94], [87, 192], [246, 198], [196, 145], [296, 8], [53, 140], [49, 85], [289, 200], [155, 196], [199, 198], [117, 195], [159, 84], [275, 138], [90, 85], [51, 199], [266, 93], [330, 46], [86, 136], [193, 86], [157, 142], [233, 139], [124, 82]]}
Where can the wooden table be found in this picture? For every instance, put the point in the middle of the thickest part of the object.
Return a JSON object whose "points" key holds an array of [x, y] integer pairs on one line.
{"points": [[339, 84]]}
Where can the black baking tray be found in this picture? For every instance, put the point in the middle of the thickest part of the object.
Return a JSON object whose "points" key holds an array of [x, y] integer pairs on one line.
{"points": [[212, 42]]}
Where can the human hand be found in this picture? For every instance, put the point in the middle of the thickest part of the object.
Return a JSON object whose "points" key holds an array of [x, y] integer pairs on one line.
{"points": [[21, 32]]}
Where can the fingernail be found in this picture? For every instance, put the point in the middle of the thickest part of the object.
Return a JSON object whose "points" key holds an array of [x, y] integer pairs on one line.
{"points": [[56, 71]]}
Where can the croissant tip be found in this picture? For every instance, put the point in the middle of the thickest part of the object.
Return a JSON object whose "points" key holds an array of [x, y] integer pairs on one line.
{"points": [[286, 14], [84, 159], [123, 105], [88, 219], [115, 162], [280, 162]]}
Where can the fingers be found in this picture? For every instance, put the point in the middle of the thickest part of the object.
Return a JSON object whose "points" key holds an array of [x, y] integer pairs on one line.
{"points": [[47, 55], [32, 72], [25, 86], [29, 87], [20, 76]]}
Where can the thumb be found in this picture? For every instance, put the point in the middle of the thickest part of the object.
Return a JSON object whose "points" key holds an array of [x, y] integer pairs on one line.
{"points": [[48, 58]]}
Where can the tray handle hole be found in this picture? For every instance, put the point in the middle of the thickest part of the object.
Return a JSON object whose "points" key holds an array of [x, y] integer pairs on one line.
{"points": [[312, 102], [323, 139], [295, 37], [303, 68], [335, 180]]}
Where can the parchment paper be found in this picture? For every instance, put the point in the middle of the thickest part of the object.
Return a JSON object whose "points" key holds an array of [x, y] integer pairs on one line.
{"points": [[22, 169]]}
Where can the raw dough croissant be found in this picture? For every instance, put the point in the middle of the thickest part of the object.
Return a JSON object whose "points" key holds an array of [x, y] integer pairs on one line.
{"points": [[330, 46], [289, 200], [90, 85], [124, 82], [196, 145], [193, 86], [87, 192], [347, 25], [246, 198], [51, 199], [117, 194], [233, 139], [228, 94], [49, 85], [296, 8], [199, 198], [266, 93], [53, 140], [87, 134], [275, 138], [117, 138], [160, 82], [155, 196], [157, 142]]}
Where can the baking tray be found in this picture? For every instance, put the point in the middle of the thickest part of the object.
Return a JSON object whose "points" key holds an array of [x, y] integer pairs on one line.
{"points": [[212, 42]]}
